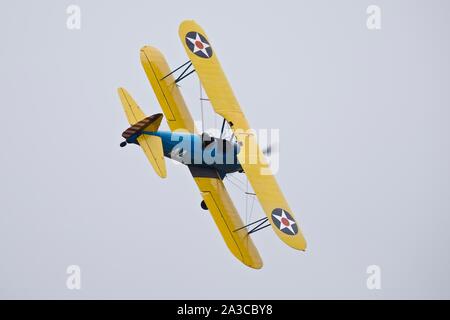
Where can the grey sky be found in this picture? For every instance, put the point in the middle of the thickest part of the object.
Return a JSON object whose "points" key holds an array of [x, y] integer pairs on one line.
{"points": [[364, 127]]}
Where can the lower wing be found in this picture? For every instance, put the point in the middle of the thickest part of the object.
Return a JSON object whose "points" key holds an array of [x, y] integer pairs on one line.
{"points": [[226, 216]]}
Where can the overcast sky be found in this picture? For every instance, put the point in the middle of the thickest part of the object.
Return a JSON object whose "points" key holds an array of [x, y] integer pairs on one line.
{"points": [[364, 151]]}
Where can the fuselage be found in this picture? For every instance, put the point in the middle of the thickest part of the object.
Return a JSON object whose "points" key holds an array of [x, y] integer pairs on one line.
{"points": [[200, 150]]}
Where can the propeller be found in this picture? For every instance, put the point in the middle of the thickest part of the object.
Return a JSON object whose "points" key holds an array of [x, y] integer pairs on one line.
{"points": [[268, 150]]}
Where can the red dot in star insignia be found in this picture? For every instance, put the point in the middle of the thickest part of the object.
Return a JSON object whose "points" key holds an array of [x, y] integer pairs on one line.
{"points": [[199, 44], [285, 221]]}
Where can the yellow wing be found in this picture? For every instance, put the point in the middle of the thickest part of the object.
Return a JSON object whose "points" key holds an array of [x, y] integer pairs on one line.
{"points": [[221, 96], [168, 94], [211, 186], [226, 216]]}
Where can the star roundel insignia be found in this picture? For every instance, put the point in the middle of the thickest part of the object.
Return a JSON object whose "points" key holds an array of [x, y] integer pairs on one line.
{"points": [[284, 221], [198, 44]]}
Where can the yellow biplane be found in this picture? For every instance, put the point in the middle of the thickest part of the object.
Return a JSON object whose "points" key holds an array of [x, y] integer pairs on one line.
{"points": [[209, 159]]}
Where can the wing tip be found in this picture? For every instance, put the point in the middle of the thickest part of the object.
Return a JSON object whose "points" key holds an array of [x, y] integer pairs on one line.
{"points": [[296, 242], [149, 53], [253, 263], [255, 266], [187, 21], [300, 244], [187, 24], [147, 47]]}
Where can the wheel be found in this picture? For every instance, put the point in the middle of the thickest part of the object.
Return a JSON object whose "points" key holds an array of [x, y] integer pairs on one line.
{"points": [[203, 205], [123, 144]]}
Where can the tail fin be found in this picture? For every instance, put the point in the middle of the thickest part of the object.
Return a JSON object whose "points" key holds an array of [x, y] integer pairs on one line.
{"points": [[151, 145]]}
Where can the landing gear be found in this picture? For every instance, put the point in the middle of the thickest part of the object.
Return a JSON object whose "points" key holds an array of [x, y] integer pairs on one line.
{"points": [[203, 205], [123, 144]]}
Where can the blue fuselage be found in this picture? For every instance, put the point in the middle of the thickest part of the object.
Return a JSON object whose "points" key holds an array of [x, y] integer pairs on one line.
{"points": [[190, 149]]}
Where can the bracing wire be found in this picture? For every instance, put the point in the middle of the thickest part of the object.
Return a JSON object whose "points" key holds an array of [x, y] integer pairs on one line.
{"points": [[235, 184], [201, 106], [246, 204], [234, 175], [238, 183], [251, 207]]}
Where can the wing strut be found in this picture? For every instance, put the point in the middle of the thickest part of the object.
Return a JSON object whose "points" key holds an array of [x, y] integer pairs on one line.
{"points": [[223, 127], [183, 75], [261, 225], [172, 72]]}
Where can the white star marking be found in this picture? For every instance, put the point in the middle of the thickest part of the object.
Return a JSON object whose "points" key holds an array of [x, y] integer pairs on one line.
{"points": [[202, 47], [282, 225]]}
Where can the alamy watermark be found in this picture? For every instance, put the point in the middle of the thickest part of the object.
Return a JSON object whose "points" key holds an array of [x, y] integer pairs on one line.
{"points": [[241, 149], [73, 21], [73, 281], [373, 281], [373, 21]]}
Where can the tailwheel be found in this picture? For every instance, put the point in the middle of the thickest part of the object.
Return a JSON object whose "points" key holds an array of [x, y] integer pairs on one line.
{"points": [[203, 205]]}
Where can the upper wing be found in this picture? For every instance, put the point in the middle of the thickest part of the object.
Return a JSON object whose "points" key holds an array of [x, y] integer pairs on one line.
{"points": [[168, 94], [222, 98], [226, 217]]}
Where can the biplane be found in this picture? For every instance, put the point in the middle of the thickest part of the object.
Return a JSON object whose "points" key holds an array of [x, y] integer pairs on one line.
{"points": [[185, 144]]}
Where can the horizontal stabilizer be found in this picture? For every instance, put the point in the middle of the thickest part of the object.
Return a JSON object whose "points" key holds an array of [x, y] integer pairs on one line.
{"points": [[132, 110], [153, 149], [151, 145]]}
